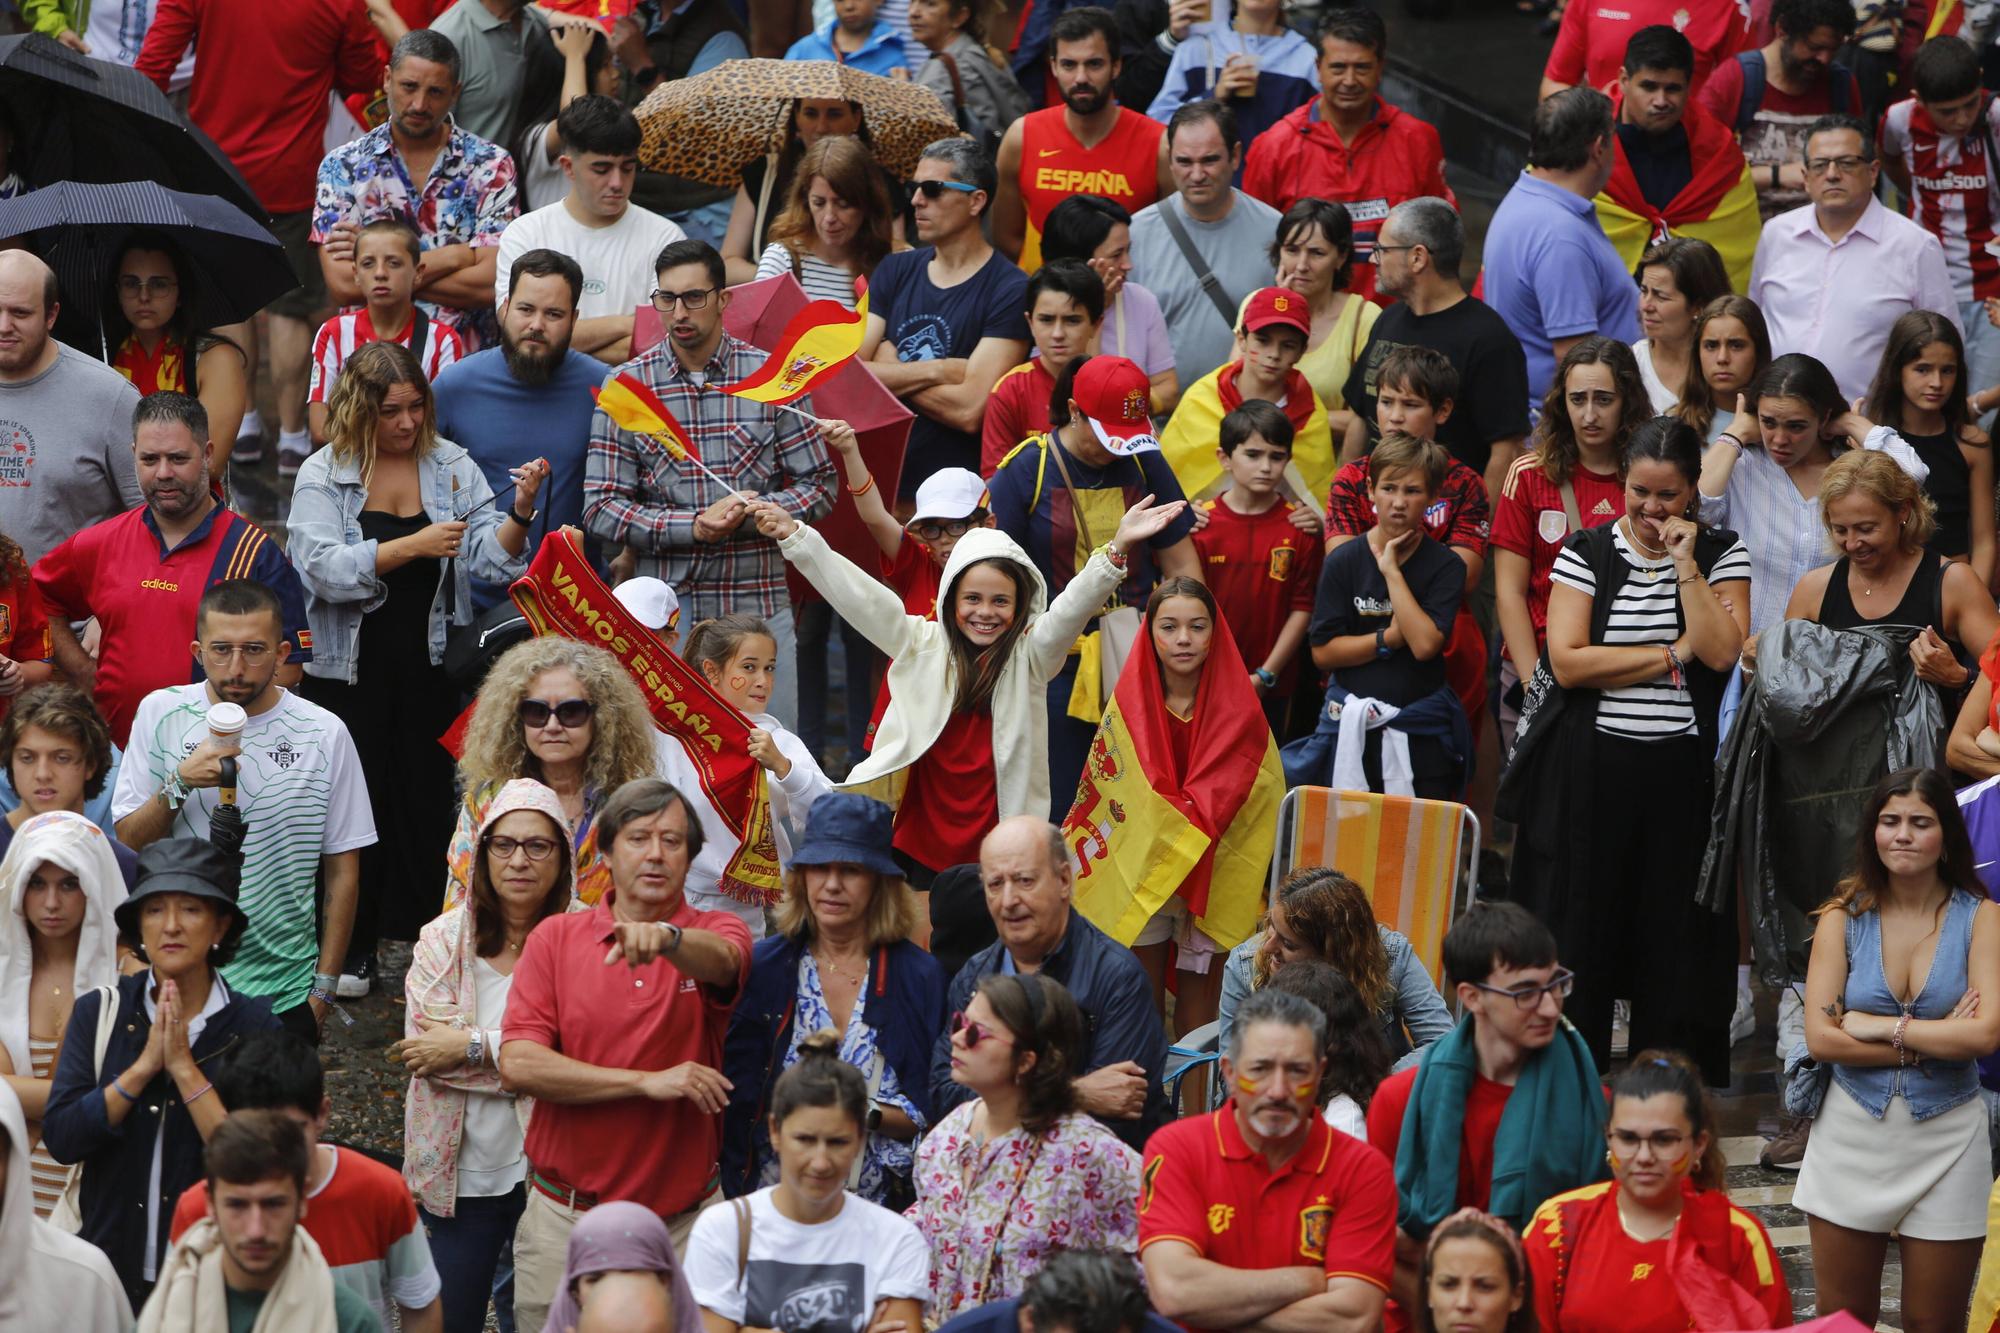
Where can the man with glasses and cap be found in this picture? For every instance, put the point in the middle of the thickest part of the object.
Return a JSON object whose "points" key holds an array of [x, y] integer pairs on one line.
{"points": [[684, 527], [1504, 1111]]}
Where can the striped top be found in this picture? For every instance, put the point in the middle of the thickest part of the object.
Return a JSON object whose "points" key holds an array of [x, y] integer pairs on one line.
{"points": [[49, 1175], [822, 281], [343, 335], [1645, 611]]}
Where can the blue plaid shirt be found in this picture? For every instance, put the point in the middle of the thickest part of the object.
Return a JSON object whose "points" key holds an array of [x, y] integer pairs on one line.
{"points": [[637, 494]]}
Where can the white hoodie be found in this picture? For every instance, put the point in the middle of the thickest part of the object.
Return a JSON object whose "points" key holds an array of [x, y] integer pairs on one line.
{"points": [[79, 846], [48, 1279], [922, 677]]}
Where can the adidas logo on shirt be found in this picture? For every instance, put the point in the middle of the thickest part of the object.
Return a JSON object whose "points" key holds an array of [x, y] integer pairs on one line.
{"points": [[1602, 507]]}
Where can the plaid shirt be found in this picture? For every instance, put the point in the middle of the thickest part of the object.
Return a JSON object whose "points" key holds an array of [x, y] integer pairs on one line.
{"points": [[635, 493]]}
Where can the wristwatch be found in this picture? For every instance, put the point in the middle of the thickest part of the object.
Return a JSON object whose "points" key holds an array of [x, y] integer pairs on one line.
{"points": [[1382, 648], [527, 522]]}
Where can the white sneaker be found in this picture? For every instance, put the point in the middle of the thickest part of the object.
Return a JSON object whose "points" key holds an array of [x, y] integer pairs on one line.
{"points": [[356, 984], [1621, 1027], [1742, 1023]]}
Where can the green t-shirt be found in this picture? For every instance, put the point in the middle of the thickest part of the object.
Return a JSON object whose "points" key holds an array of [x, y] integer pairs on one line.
{"points": [[351, 1313]]}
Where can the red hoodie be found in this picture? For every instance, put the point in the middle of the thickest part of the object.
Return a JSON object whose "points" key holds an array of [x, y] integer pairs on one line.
{"points": [[1395, 157]]}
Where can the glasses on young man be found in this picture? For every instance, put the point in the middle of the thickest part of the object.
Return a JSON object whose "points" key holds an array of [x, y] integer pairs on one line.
{"points": [[931, 531], [1529, 998], [571, 713], [693, 299]]}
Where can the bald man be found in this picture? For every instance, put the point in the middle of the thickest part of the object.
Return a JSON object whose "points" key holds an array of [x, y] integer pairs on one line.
{"points": [[65, 420], [627, 1303], [1026, 872]]}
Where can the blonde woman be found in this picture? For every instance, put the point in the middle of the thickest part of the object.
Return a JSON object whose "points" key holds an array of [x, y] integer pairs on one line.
{"points": [[379, 520], [567, 715]]}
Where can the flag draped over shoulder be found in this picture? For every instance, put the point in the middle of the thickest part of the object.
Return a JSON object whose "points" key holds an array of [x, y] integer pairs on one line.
{"points": [[821, 338], [1718, 206], [1143, 828], [562, 594]]}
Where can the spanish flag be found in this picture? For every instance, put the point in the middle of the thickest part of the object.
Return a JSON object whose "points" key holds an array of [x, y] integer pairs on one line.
{"points": [[635, 407], [1718, 206], [1147, 825], [820, 339]]}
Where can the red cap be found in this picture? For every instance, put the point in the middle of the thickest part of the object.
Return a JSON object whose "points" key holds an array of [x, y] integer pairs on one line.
{"points": [[1116, 398], [1277, 305]]}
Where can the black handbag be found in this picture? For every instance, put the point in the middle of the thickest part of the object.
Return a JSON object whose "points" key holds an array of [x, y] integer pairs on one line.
{"points": [[471, 650]]}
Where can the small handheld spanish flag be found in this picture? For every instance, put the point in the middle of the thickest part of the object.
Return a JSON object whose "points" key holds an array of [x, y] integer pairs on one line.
{"points": [[635, 407], [821, 338]]}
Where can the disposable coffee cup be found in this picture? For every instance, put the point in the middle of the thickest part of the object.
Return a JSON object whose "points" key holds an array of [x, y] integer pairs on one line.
{"points": [[226, 721]]}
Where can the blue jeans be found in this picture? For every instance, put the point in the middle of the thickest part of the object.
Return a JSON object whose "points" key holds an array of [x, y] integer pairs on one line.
{"points": [[474, 1254], [1982, 353]]}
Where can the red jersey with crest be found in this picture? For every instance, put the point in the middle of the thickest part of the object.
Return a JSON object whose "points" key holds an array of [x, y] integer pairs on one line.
{"points": [[1124, 168], [1261, 568], [1954, 195]]}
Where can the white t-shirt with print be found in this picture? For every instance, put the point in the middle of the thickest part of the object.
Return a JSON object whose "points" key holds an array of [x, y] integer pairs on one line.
{"points": [[617, 261], [806, 1279], [300, 787]]}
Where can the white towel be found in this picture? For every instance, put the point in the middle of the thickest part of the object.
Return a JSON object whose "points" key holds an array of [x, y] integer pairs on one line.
{"points": [[1358, 717]]}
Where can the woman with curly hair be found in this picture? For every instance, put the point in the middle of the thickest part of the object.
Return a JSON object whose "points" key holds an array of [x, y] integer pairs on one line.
{"points": [[1572, 479], [379, 521], [836, 222], [1321, 913], [1357, 1059], [567, 715]]}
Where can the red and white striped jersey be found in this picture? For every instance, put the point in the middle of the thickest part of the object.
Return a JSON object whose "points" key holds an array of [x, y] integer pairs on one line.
{"points": [[340, 336], [1953, 191]]}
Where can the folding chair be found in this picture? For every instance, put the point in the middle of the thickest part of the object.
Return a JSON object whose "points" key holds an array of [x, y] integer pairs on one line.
{"points": [[1198, 1048], [1418, 860]]}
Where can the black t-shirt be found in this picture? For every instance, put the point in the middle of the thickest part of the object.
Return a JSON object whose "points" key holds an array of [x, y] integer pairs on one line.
{"points": [[1354, 599], [1492, 370], [1661, 163]]}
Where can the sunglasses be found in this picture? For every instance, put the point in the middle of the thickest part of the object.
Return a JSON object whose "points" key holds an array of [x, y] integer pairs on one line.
{"points": [[974, 1032], [571, 713], [936, 189]]}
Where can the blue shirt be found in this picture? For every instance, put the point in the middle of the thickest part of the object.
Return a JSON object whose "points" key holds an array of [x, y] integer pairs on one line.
{"points": [[882, 52], [925, 322], [1552, 273], [1005, 1317], [503, 423]]}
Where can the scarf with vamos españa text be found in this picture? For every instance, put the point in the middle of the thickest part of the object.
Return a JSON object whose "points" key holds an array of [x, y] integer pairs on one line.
{"points": [[562, 594], [1144, 828]]}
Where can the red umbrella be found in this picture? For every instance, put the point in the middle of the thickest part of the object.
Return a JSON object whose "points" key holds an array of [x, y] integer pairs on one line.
{"points": [[757, 313]]}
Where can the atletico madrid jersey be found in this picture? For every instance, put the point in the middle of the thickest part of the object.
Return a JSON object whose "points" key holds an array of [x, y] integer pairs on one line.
{"points": [[144, 596], [1952, 189]]}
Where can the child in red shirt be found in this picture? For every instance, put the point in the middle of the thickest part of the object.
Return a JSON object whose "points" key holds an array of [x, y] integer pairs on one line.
{"points": [[24, 627], [1260, 562], [1065, 310]]}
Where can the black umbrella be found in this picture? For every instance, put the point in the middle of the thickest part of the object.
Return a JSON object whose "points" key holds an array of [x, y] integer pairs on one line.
{"points": [[92, 120], [235, 266]]}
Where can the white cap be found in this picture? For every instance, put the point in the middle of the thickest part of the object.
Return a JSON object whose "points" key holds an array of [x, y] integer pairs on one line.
{"points": [[949, 493], [651, 600]]}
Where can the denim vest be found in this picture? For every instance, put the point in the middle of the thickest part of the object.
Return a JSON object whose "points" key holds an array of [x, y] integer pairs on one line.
{"points": [[1936, 1086], [337, 566]]}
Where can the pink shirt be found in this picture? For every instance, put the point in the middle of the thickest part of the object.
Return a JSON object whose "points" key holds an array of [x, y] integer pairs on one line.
{"points": [[1835, 300]]}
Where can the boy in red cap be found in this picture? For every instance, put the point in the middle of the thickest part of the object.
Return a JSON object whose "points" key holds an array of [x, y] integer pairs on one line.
{"points": [[1270, 339]]}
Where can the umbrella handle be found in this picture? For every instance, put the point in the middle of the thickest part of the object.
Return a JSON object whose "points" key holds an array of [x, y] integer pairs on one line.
{"points": [[226, 783]]}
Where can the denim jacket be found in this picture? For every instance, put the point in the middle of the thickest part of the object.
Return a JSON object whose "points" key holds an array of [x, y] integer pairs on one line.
{"points": [[1931, 1087], [338, 567], [1414, 1002]]}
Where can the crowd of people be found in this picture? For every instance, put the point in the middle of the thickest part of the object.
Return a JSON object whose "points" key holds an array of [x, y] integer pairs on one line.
{"points": [[1222, 476]]}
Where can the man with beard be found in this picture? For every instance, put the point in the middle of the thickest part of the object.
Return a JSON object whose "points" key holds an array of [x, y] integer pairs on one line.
{"points": [[299, 787], [1769, 96], [143, 572], [530, 393], [63, 460], [1262, 1212], [688, 529], [1088, 145]]}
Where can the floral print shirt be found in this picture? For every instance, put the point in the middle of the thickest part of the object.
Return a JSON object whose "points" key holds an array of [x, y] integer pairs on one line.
{"points": [[858, 1047], [993, 1212], [468, 198]]}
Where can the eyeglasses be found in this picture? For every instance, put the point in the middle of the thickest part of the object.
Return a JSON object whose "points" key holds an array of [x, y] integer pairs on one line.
{"points": [[538, 849], [694, 299], [931, 532], [571, 713], [1844, 166], [251, 653], [1529, 998], [1375, 255], [936, 189], [974, 1032], [131, 284], [1665, 1144]]}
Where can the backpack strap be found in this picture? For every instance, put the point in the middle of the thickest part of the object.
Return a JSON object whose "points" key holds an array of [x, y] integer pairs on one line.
{"points": [[1752, 96], [741, 1207]]}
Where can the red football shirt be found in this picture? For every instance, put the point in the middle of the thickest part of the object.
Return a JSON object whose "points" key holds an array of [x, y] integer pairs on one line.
{"points": [[1333, 1205], [1261, 568], [1017, 408], [24, 627], [952, 800], [1590, 45], [567, 998], [1530, 521]]}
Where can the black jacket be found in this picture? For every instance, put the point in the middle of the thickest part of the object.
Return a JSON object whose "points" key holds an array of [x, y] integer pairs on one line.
{"points": [[1111, 988], [117, 1162]]}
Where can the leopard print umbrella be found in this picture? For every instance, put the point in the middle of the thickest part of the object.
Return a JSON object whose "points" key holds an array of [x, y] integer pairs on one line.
{"points": [[709, 126]]}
